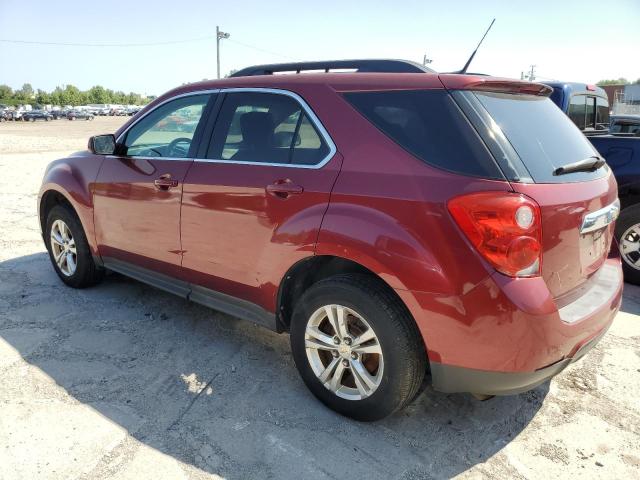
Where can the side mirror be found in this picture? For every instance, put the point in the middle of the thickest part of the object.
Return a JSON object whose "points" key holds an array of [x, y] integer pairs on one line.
{"points": [[102, 144]]}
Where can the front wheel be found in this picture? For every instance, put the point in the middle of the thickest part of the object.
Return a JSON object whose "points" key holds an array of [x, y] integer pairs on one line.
{"points": [[69, 250], [356, 347]]}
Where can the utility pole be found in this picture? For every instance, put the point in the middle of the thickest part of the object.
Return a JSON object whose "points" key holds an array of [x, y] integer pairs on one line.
{"points": [[532, 73], [425, 60], [219, 36]]}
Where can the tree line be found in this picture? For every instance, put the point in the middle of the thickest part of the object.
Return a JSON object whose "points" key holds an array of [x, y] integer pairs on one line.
{"points": [[617, 81], [69, 95]]}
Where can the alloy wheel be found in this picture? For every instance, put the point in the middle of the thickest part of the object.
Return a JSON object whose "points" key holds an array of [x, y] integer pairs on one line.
{"points": [[63, 248], [344, 352], [630, 246]]}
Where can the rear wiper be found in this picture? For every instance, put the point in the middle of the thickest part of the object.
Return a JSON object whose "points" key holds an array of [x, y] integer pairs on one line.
{"points": [[590, 164]]}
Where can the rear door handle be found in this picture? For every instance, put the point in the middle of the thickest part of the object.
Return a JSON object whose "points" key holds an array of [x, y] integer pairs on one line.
{"points": [[165, 182], [284, 188]]}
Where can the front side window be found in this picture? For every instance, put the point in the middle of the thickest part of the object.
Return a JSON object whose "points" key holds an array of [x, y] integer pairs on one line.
{"points": [[168, 130], [266, 128]]}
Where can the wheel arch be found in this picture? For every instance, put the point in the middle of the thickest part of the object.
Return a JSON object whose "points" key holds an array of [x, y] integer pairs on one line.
{"points": [[314, 268], [49, 199]]}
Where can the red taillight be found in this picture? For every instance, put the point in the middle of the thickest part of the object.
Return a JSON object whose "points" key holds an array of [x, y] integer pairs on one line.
{"points": [[504, 227]]}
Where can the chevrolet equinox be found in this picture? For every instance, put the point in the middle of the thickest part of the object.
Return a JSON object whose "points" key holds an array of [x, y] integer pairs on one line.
{"points": [[396, 222]]}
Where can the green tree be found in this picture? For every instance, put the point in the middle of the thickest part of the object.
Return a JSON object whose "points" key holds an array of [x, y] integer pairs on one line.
{"points": [[97, 94], [6, 93], [120, 98], [43, 98], [71, 96], [25, 94], [614, 81]]}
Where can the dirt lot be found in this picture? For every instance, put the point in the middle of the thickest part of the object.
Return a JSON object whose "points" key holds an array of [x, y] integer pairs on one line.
{"points": [[124, 381]]}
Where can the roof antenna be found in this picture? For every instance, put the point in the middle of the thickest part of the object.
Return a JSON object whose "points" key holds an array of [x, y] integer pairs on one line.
{"points": [[466, 65]]}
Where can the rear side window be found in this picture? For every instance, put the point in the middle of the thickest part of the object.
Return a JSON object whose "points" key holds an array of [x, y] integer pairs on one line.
{"points": [[602, 114], [428, 124], [261, 127], [577, 110], [541, 135]]}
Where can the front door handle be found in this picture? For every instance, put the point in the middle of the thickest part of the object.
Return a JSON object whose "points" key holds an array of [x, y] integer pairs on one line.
{"points": [[165, 182], [284, 188]]}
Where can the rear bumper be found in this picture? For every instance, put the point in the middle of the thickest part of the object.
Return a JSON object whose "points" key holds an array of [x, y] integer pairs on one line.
{"points": [[449, 379], [506, 336]]}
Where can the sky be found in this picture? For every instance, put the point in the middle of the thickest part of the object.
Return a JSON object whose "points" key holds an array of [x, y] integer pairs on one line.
{"points": [[566, 39]]}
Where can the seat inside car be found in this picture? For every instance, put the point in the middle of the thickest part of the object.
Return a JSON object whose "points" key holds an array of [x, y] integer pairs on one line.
{"points": [[258, 143]]}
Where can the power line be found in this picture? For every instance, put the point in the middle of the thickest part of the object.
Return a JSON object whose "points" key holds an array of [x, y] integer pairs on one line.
{"points": [[71, 44], [260, 49], [151, 44]]}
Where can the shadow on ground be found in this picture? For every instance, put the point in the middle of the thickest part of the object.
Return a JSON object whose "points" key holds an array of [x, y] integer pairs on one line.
{"points": [[224, 395]]}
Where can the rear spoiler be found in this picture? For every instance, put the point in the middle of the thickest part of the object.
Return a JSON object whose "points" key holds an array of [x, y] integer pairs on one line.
{"points": [[464, 82]]}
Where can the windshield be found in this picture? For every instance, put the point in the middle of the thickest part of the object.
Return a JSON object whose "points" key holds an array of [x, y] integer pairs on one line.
{"points": [[541, 135]]}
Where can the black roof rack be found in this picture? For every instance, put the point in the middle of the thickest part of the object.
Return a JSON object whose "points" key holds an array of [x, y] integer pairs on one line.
{"points": [[378, 66]]}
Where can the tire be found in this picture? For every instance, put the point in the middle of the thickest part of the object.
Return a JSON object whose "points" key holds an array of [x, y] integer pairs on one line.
{"points": [[628, 225], [397, 372], [86, 272]]}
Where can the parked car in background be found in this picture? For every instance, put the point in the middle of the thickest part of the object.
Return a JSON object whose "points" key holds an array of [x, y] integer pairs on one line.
{"points": [[117, 112], [629, 124], [133, 110], [34, 115], [393, 222], [588, 107], [58, 114], [79, 114], [16, 115]]}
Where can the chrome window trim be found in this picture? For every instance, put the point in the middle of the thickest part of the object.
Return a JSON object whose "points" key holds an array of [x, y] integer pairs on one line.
{"points": [[312, 118], [305, 106], [164, 102]]}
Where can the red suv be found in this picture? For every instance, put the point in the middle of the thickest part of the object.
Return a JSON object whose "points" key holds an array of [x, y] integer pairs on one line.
{"points": [[393, 220]]}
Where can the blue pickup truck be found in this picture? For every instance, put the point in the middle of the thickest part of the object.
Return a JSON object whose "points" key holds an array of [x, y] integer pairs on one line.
{"points": [[588, 107]]}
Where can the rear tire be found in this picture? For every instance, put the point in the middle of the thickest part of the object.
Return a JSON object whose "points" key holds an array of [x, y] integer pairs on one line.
{"points": [[395, 358], [65, 237], [628, 234]]}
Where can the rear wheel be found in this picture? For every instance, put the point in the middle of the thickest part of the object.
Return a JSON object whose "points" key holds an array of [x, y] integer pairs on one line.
{"points": [[69, 250], [356, 347], [628, 236]]}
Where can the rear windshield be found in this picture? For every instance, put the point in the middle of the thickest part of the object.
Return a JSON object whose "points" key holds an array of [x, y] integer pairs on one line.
{"points": [[542, 136], [430, 125]]}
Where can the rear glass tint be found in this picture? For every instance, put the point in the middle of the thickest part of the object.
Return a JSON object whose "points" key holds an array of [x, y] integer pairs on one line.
{"points": [[428, 124], [541, 134]]}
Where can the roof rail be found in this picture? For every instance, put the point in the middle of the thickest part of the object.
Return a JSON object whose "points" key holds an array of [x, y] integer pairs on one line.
{"points": [[378, 66]]}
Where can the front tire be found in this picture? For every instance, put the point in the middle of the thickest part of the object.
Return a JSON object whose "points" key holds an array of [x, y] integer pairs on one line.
{"points": [[628, 236], [357, 347], [69, 250]]}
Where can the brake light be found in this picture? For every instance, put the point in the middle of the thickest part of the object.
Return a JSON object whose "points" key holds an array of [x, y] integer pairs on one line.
{"points": [[591, 88], [504, 227], [510, 86]]}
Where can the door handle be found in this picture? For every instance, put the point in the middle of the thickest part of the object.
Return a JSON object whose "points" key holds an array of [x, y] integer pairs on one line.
{"points": [[284, 188], [165, 182]]}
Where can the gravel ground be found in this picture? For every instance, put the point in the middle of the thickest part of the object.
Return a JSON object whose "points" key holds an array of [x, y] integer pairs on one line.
{"points": [[124, 381]]}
